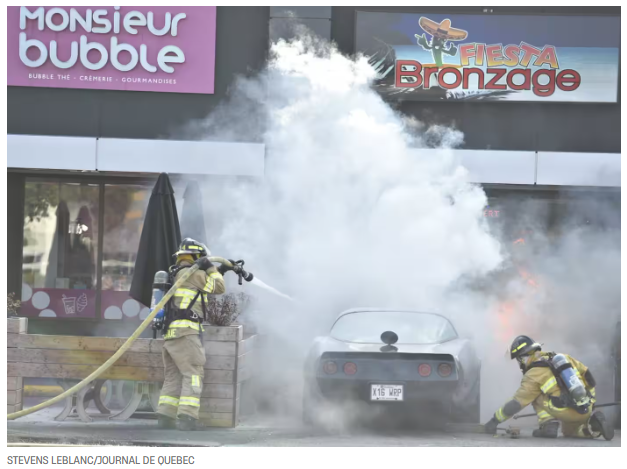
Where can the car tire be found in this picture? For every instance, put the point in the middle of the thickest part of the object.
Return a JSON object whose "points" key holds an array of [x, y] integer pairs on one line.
{"points": [[308, 413], [472, 412], [441, 417]]}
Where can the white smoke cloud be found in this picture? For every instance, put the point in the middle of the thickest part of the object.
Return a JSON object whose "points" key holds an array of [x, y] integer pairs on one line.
{"points": [[349, 215]]}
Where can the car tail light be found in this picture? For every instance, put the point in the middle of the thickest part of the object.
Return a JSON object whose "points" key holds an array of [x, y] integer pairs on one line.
{"points": [[330, 368], [350, 368], [444, 370], [424, 370]]}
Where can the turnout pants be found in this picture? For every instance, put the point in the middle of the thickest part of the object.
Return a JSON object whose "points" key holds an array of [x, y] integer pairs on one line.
{"points": [[184, 361], [574, 424]]}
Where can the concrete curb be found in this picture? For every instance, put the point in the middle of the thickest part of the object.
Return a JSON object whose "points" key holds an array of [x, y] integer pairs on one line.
{"points": [[23, 440]]}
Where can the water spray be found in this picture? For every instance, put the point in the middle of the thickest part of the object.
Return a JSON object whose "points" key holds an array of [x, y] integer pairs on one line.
{"points": [[265, 286]]}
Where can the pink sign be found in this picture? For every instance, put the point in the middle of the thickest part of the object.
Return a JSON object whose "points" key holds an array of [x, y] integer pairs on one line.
{"points": [[60, 303], [162, 49], [75, 303]]}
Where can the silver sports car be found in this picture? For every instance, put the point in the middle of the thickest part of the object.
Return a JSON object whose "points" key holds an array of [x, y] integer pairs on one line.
{"points": [[403, 360]]}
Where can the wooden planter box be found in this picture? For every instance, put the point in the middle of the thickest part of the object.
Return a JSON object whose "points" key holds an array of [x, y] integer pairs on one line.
{"points": [[74, 357], [15, 384]]}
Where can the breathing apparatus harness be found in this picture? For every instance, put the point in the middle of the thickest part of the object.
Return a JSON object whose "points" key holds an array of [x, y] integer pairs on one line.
{"points": [[172, 313], [565, 399]]}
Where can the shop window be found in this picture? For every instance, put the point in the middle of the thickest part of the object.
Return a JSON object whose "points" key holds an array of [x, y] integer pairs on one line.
{"points": [[68, 270], [60, 250], [124, 210]]}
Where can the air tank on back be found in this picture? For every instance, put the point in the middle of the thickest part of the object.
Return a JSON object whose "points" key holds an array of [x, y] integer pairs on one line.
{"points": [[159, 287], [569, 375]]}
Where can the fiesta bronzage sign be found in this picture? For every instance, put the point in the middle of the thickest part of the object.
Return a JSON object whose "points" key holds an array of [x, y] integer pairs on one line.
{"points": [[134, 48], [410, 73], [490, 57], [517, 67]]}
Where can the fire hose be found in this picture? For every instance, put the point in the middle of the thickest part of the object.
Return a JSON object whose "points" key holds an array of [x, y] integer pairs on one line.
{"points": [[609, 404], [124, 348]]}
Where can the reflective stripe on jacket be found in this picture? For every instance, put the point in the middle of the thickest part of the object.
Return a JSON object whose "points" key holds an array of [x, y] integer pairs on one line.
{"points": [[206, 283]]}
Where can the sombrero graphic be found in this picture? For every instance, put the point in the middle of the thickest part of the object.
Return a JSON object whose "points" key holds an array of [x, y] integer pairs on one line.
{"points": [[442, 30]]}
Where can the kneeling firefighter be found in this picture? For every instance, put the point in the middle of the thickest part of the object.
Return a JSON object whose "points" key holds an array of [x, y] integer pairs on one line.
{"points": [[183, 351], [560, 389]]}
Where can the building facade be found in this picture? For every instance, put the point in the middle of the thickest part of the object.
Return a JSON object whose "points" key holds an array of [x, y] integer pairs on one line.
{"points": [[86, 145]]}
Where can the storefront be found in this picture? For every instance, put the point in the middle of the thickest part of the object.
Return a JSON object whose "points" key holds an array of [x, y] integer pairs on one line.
{"points": [[90, 129], [86, 144]]}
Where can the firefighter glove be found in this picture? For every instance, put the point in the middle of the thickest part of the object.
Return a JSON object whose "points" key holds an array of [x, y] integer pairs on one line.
{"points": [[204, 263], [223, 269]]}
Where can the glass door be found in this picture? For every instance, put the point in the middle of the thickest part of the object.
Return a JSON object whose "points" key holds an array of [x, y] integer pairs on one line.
{"points": [[79, 249], [124, 211]]}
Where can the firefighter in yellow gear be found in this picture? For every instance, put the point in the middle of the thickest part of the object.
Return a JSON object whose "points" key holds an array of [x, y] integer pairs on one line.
{"points": [[543, 387], [183, 350]]}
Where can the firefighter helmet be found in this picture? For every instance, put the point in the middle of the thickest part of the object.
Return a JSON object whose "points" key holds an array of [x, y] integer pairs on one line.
{"points": [[193, 248], [521, 348], [523, 345]]}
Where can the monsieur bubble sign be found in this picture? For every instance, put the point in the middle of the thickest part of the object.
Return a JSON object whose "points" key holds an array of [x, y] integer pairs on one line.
{"points": [[160, 49], [492, 57]]}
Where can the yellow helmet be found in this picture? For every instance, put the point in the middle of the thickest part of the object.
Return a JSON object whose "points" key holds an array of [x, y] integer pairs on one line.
{"points": [[192, 247]]}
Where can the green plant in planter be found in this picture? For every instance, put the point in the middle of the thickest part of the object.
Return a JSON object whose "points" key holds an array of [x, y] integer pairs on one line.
{"points": [[224, 310], [13, 305]]}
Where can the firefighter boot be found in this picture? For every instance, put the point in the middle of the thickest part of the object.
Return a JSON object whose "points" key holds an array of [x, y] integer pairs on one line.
{"points": [[547, 430], [600, 425], [166, 423], [189, 424]]}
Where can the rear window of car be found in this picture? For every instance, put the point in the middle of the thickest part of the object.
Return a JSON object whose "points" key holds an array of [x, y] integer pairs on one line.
{"points": [[366, 327]]}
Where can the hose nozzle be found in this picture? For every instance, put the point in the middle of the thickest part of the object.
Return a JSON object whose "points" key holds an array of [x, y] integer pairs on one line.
{"points": [[238, 268], [247, 276]]}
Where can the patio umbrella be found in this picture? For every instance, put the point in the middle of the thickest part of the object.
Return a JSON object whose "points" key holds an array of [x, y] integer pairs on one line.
{"points": [[193, 219], [160, 239]]}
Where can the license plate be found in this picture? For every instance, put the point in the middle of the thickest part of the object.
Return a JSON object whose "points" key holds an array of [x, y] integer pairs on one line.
{"points": [[386, 392]]}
